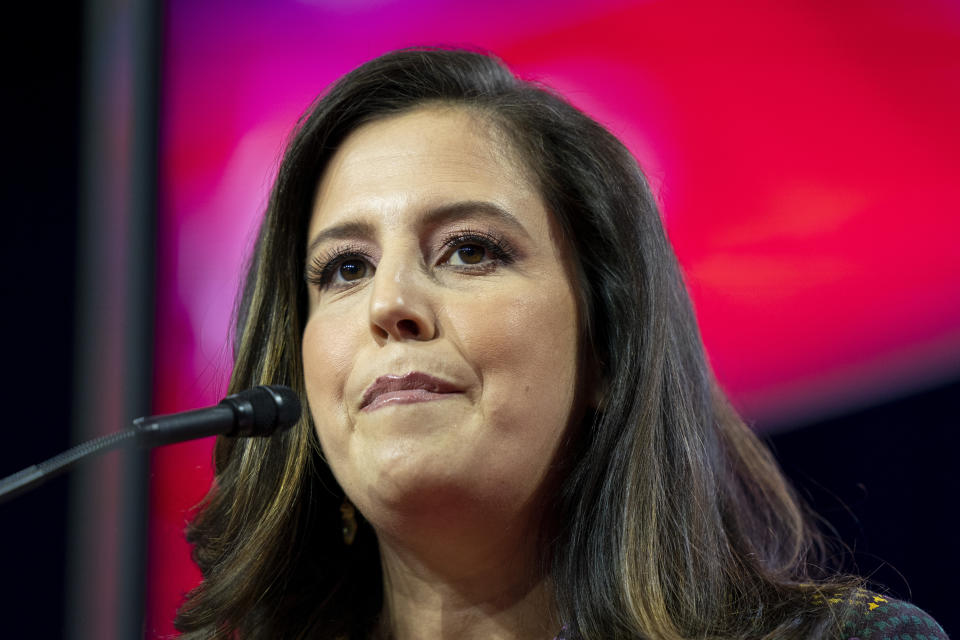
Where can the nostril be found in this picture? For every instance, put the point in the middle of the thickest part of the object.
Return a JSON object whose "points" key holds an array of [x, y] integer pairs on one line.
{"points": [[408, 327]]}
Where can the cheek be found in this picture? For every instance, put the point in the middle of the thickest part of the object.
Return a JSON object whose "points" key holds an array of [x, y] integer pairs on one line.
{"points": [[328, 355], [525, 347]]}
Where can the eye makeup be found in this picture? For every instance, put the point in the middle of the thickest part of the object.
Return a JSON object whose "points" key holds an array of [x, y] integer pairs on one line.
{"points": [[345, 264]]}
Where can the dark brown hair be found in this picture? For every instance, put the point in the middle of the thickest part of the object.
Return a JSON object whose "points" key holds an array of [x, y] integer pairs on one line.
{"points": [[672, 520]]}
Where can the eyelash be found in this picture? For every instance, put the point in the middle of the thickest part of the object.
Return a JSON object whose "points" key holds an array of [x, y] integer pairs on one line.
{"points": [[499, 252], [323, 266]]}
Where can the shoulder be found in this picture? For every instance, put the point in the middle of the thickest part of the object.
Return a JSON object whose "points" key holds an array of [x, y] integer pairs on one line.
{"points": [[871, 616]]}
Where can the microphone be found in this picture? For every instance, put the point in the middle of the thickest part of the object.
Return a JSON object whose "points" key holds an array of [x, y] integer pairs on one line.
{"points": [[257, 412]]}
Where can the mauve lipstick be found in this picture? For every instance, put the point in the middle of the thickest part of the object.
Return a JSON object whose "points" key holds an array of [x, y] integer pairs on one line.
{"points": [[405, 389]]}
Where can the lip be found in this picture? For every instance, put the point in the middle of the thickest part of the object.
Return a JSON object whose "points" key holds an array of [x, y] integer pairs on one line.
{"points": [[408, 388]]}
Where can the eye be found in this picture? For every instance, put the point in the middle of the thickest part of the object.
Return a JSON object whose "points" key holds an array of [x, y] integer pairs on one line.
{"points": [[352, 270], [339, 269], [473, 250], [468, 254]]}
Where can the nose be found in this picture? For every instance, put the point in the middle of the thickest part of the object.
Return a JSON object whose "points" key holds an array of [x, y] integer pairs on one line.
{"points": [[401, 307]]}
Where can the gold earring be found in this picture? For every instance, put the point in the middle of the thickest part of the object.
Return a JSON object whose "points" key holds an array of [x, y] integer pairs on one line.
{"points": [[349, 517]]}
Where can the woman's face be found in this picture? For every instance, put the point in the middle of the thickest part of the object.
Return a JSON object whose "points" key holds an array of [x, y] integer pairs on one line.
{"points": [[440, 351]]}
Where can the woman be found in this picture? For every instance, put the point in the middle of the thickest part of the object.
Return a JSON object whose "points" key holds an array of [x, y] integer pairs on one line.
{"points": [[512, 430]]}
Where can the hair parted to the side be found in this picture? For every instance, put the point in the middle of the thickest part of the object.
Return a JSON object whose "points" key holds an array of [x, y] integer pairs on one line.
{"points": [[673, 520]]}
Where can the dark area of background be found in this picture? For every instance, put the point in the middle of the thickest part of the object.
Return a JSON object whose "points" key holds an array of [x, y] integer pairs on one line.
{"points": [[885, 477], [40, 62]]}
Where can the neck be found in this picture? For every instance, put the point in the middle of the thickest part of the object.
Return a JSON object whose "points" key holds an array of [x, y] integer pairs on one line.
{"points": [[490, 588]]}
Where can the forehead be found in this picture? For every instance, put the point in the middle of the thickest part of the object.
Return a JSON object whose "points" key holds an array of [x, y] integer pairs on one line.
{"points": [[425, 158]]}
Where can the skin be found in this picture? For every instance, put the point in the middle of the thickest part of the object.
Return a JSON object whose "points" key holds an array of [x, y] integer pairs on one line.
{"points": [[452, 484]]}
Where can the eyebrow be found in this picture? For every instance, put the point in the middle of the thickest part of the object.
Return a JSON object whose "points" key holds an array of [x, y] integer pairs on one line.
{"points": [[435, 217]]}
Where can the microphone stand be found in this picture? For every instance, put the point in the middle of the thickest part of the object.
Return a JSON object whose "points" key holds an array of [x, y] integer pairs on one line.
{"points": [[260, 411]]}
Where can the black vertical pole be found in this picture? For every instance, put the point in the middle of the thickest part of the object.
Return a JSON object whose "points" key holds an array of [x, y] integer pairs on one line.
{"points": [[118, 189]]}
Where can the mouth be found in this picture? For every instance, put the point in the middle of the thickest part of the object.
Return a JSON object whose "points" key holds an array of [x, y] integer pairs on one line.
{"points": [[408, 388]]}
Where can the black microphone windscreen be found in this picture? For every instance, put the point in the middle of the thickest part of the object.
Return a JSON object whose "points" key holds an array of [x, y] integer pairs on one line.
{"points": [[264, 410], [287, 403]]}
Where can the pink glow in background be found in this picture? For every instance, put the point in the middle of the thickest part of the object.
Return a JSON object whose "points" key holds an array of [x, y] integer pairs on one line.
{"points": [[804, 154]]}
